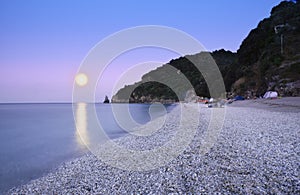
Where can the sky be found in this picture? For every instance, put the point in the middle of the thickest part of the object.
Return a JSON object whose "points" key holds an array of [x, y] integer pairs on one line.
{"points": [[42, 43]]}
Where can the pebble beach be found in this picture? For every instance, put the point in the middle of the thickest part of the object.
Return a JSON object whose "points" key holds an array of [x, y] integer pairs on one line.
{"points": [[256, 152]]}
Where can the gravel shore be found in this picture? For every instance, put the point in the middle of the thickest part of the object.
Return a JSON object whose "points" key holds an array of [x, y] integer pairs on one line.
{"points": [[286, 104], [257, 152]]}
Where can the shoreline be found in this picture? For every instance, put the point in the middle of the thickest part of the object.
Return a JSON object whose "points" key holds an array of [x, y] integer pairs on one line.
{"points": [[256, 152], [285, 104]]}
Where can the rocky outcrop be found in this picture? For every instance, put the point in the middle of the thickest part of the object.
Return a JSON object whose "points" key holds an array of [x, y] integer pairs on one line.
{"points": [[106, 100], [268, 59]]}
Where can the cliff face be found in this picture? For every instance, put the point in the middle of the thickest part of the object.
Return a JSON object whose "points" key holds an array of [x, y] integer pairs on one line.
{"points": [[148, 91], [268, 59]]}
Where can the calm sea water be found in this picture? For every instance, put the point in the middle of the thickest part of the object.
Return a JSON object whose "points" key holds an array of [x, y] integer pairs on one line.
{"points": [[36, 138]]}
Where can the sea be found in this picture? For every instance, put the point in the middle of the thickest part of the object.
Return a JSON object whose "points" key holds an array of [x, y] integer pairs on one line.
{"points": [[36, 138]]}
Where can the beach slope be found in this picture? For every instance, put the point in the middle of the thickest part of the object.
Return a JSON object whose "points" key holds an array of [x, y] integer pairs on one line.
{"points": [[256, 152]]}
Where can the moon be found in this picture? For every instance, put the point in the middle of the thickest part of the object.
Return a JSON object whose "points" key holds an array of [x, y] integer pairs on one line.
{"points": [[81, 79]]}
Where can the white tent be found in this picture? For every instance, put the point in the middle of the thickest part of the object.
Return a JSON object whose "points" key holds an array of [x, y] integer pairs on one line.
{"points": [[271, 94]]}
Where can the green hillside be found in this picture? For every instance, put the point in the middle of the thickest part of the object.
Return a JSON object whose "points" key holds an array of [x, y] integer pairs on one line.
{"points": [[268, 59]]}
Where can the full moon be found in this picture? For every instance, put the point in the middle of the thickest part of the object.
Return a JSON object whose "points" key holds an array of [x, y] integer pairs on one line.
{"points": [[81, 79]]}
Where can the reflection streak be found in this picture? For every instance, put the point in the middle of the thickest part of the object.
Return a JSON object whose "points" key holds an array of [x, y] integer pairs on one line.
{"points": [[82, 125]]}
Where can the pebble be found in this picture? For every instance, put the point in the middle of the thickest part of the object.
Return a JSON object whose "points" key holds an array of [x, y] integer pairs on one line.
{"points": [[257, 152]]}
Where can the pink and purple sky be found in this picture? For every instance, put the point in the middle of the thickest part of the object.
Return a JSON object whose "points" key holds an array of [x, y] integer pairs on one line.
{"points": [[42, 43]]}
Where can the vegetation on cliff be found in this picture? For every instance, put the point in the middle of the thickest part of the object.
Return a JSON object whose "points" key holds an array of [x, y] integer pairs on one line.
{"points": [[268, 59]]}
